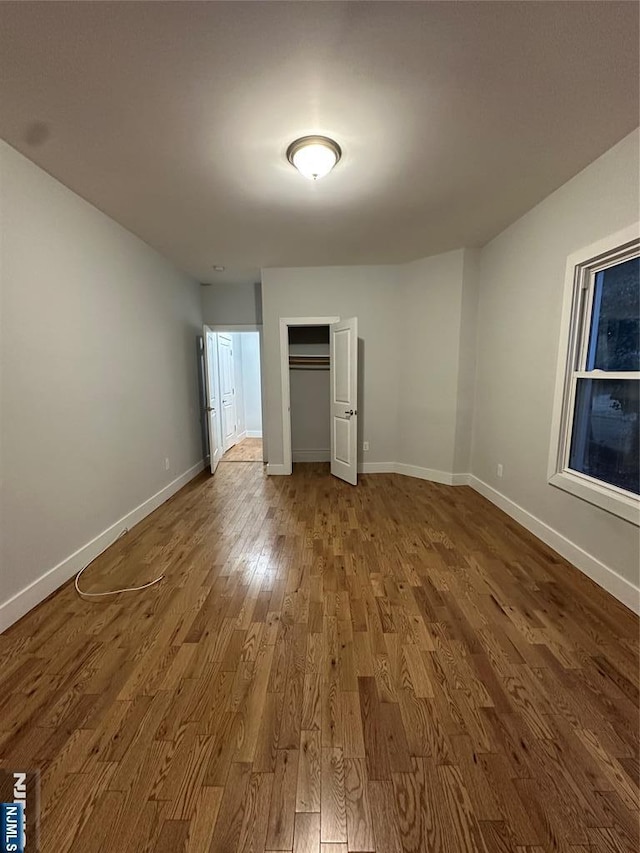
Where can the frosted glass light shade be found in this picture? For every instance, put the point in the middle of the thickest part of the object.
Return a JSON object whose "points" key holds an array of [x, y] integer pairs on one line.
{"points": [[314, 156]]}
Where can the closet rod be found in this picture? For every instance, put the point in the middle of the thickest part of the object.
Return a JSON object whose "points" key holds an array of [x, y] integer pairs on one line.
{"points": [[309, 360], [308, 367]]}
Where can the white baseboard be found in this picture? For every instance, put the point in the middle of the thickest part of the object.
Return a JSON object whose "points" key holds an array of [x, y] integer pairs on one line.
{"points": [[424, 473], [311, 455], [603, 575], [277, 469], [254, 433], [25, 600], [460, 479], [432, 474], [377, 468], [240, 436]]}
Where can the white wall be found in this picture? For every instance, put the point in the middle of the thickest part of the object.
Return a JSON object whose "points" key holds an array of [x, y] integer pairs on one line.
{"points": [[251, 382], [467, 361], [98, 379], [232, 304], [521, 287], [430, 306]]}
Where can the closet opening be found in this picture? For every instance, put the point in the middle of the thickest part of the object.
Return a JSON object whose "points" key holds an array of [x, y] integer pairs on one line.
{"points": [[319, 373], [309, 393]]}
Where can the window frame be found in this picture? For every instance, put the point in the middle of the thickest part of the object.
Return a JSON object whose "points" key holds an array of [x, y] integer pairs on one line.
{"points": [[577, 308]]}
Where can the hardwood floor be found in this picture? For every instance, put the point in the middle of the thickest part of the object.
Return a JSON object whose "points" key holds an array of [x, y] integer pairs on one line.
{"points": [[247, 450], [395, 667]]}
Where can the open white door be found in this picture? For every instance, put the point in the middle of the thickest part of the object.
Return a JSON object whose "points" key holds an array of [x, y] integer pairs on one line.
{"points": [[213, 396], [344, 399], [227, 392]]}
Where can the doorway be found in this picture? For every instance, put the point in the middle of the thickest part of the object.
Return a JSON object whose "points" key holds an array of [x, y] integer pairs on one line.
{"points": [[234, 394], [309, 393], [319, 372]]}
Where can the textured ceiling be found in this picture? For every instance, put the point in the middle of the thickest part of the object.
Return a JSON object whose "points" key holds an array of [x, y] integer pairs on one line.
{"points": [[454, 118]]}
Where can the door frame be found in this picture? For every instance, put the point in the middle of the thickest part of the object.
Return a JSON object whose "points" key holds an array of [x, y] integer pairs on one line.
{"points": [[285, 322], [230, 328]]}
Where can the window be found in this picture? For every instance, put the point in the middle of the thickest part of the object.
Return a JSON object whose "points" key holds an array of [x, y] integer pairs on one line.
{"points": [[596, 440]]}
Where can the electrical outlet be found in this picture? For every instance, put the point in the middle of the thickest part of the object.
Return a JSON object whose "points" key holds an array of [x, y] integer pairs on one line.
{"points": [[499, 470], [365, 445], [166, 464]]}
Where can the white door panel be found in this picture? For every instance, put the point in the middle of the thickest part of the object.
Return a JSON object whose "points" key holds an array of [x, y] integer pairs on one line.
{"points": [[344, 399], [213, 397], [342, 355], [227, 391], [341, 436]]}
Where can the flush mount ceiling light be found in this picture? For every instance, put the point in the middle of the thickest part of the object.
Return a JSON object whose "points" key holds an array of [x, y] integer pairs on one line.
{"points": [[314, 156]]}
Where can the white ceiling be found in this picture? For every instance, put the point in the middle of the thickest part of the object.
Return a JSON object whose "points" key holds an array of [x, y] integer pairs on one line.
{"points": [[454, 118]]}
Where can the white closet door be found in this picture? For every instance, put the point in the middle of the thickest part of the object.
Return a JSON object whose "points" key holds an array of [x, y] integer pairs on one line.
{"points": [[213, 396], [227, 391], [344, 399]]}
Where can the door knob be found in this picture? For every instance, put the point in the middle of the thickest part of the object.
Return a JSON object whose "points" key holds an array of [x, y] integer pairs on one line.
{"points": [[350, 412]]}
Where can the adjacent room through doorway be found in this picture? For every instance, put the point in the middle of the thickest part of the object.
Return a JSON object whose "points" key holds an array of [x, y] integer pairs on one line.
{"points": [[234, 396]]}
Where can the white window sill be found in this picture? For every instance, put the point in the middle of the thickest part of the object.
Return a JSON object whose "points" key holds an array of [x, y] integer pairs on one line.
{"points": [[610, 498]]}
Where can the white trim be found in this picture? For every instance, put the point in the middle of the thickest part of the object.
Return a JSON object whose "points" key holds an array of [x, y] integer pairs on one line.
{"points": [[431, 474], [603, 575], [376, 467], [285, 322], [254, 433], [228, 327], [460, 479], [26, 599], [311, 455], [240, 436], [607, 374], [277, 470], [574, 326], [613, 500]]}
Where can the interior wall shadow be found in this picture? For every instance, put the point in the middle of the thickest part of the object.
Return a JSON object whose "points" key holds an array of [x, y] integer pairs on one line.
{"points": [[257, 298]]}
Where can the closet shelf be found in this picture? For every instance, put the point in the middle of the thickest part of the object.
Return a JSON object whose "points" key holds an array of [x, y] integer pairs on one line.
{"points": [[309, 362]]}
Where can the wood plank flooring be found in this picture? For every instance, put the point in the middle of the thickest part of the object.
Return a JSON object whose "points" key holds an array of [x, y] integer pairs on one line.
{"points": [[247, 450], [396, 667]]}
